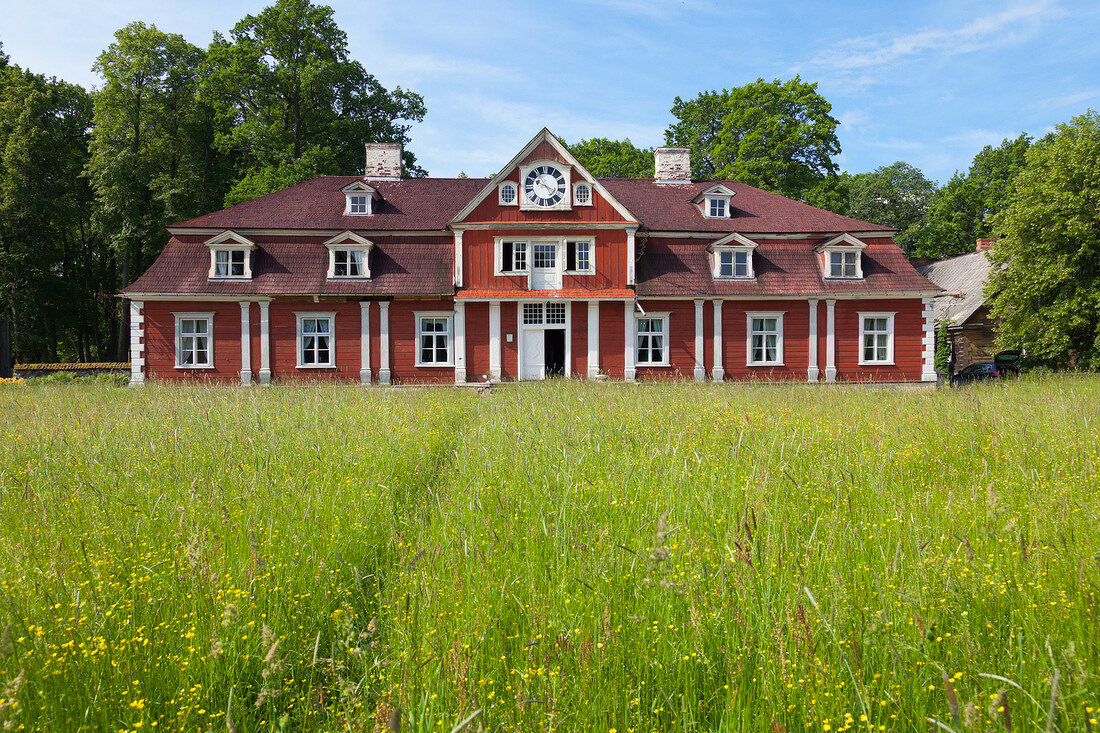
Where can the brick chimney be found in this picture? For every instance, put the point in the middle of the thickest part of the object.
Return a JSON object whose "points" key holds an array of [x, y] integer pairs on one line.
{"points": [[985, 244], [672, 165], [383, 162]]}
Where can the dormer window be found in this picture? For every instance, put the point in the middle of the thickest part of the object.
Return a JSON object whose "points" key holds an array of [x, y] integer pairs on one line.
{"points": [[230, 257], [732, 258], [715, 202], [841, 258], [506, 194], [359, 199], [349, 257], [582, 194]]}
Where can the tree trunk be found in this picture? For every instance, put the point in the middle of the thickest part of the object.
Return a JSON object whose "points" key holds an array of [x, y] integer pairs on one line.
{"points": [[5, 349]]}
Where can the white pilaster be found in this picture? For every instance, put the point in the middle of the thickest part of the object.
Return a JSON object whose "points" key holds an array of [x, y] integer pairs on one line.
{"points": [[458, 258], [630, 257], [812, 372], [593, 338], [265, 342], [700, 372], [830, 340], [717, 370], [519, 340], [568, 339], [928, 367], [137, 343], [629, 339], [364, 342], [460, 342], [384, 342], [246, 343], [494, 341]]}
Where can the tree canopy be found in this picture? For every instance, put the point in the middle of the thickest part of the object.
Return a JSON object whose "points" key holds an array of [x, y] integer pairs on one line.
{"points": [[776, 135], [613, 158], [1045, 286], [894, 195]]}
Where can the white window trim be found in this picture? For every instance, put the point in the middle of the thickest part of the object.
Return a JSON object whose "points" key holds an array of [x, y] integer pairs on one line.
{"points": [[889, 316], [591, 255], [359, 189], [349, 241], [331, 316], [713, 197], [498, 249], [229, 241], [716, 262], [450, 316], [500, 193], [664, 332], [778, 316], [577, 185], [828, 264], [209, 318]]}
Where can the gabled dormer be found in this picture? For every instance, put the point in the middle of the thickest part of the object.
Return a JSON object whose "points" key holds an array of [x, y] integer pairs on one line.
{"points": [[714, 202], [731, 258], [230, 256], [359, 199], [841, 258], [349, 257]]}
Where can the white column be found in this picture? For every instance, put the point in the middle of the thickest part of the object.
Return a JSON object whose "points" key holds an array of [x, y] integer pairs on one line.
{"points": [[494, 341], [928, 368], [830, 341], [265, 342], [629, 338], [384, 342], [460, 342], [246, 343], [593, 338], [364, 342], [137, 343], [629, 256], [458, 258], [812, 371], [568, 338], [700, 372], [717, 371]]}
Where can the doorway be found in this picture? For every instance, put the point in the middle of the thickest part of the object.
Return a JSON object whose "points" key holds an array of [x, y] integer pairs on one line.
{"points": [[554, 351]]}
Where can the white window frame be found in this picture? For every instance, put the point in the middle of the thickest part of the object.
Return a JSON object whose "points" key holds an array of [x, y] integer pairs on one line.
{"points": [[358, 201], [717, 263], [778, 316], [830, 251], [515, 193], [576, 187], [229, 241], [498, 248], [349, 242], [209, 318], [663, 317], [364, 268], [450, 317], [355, 190], [591, 269], [711, 201], [889, 316], [299, 340]]}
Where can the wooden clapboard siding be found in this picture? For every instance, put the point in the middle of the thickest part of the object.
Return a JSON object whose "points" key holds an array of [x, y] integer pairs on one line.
{"points": [[908, 332], [284, 340], [479, 261], [612, 338], [160, 340], [403, 369], [579, 338], [477, 342]]}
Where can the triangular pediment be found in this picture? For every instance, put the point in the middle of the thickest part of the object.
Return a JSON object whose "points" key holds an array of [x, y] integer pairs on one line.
{"points": [[841, 240], [360, 187], [349, 237], [540, 145], [230, 238], [733, 239], [716, 190]]}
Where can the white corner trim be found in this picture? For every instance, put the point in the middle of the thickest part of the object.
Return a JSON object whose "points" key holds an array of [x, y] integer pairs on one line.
{"points": [[137, 343]]}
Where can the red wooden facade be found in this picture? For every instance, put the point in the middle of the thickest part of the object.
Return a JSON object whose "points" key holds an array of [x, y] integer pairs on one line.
{"points": [[396, 281]]}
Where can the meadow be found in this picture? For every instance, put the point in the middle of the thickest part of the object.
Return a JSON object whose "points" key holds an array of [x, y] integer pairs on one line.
{"points": [[557, 557]]}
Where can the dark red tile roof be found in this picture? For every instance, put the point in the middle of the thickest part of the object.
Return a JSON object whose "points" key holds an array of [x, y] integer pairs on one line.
{"points": [[299, 266], [681, 267], [574, 293], [412, 204], [667, 207]]}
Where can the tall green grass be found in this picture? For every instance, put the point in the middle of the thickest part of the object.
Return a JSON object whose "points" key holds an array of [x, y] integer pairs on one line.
{"points": [[566, 556]]}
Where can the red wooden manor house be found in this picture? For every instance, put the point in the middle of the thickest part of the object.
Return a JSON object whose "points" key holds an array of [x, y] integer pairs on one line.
{"points": [[541, 270]]}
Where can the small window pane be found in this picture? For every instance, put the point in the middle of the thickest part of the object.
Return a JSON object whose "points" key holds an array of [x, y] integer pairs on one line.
{"points": [[544, 255], [555, 313], [532, 313], [507, 193], [583, 194], [358, 204]]}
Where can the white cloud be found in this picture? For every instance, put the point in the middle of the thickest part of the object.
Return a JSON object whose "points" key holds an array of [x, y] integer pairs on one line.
{"points": [[1069, 100]]}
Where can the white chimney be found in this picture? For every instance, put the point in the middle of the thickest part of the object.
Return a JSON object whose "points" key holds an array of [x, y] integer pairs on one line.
{"points": [[672, 165], [383, 162]]}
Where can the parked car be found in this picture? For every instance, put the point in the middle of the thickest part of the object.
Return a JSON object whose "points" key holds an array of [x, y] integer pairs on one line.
{"points": [[1004, 365]]}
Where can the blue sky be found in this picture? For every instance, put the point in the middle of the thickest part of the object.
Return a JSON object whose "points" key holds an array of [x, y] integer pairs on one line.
{"points": [[929, 83]]}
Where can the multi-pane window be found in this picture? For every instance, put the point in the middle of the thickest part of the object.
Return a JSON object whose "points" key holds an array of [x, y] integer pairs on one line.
{"points": [[733, 263], [433, 335], [508, 193], [513, 257], [229, 262], [651, 340], [357, 204], [876, 338], [843, 264], [315, 340], [582, 194], [716, 208], [765, 338], [532, 314], [193, 340], [578, 256], [555, 314], [544, 255], [348, 263]]}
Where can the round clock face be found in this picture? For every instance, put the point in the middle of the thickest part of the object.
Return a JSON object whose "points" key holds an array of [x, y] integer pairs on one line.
{"points": [[544, 185]]}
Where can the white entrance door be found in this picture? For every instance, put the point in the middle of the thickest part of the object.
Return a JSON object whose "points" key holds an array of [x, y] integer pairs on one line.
{"points": [[545, 270], [534, 354]]}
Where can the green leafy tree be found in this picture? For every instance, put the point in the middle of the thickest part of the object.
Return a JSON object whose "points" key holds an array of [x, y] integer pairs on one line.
{"points": [[613, 158], [894, 195], [1045, 288], [832, 193], [960, 212], [295, 105], [776, 135]]}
